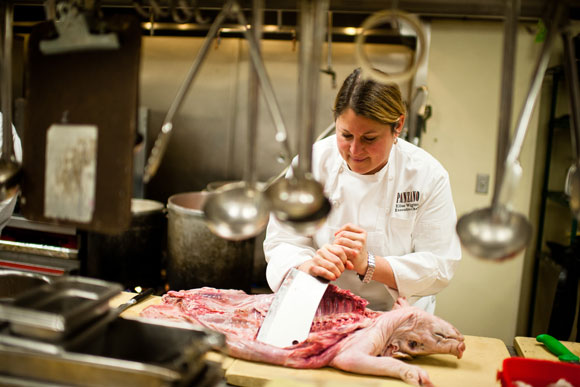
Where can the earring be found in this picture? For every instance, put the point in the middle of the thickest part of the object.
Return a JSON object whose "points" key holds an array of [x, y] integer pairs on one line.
{"points": [[396, 139]]}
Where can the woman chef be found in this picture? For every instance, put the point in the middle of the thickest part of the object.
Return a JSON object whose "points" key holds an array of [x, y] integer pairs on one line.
{"points": [[391, 231]]}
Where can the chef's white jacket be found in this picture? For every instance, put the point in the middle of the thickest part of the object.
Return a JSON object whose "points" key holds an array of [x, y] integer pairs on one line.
{"points": [[7, 206], [407, 210]]}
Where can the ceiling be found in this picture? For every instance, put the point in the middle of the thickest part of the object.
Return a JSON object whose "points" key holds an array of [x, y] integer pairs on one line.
{"points": [[494, 9]]}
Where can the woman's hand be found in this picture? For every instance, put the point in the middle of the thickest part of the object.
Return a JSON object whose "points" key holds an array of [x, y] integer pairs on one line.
{"points": [[329, 262], [353, 240]]}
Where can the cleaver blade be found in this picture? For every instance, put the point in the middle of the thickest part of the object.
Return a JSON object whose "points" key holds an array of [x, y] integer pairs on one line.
{"points": [[290, 316]]}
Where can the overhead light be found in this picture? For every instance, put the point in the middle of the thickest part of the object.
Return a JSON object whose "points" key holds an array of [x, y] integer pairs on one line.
{"points": [[350, 31]]}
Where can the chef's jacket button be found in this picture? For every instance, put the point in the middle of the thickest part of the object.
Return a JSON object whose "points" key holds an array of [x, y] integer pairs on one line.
{"points": [[387, 210], [341, 169], [390, 178]]}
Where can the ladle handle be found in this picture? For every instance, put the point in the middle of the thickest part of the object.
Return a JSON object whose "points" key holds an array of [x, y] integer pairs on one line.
{"points": [[571, 72], [253, 94], [163, 138], [266, 86], [535, 85], [512, 10], [325, 133], [7, 136], [312, 14]]}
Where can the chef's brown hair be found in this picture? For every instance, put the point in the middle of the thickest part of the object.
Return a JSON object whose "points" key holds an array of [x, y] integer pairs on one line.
{"points": [[379, 102]]}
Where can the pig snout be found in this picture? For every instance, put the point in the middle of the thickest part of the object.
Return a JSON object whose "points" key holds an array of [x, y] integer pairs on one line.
{"points": [[452, 342]]}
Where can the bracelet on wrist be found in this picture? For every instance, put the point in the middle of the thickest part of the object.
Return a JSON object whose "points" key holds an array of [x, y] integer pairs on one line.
{"points": [[371, 265]]}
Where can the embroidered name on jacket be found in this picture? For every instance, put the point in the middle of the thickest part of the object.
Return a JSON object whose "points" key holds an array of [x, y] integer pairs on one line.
{"points": [[407, 201]]}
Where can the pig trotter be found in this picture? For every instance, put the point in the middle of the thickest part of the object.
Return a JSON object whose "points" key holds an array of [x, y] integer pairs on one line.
{"points": [[361, 363]]}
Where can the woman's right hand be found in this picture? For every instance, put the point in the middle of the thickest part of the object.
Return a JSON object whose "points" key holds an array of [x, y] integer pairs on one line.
{"points": [[328, 262]]}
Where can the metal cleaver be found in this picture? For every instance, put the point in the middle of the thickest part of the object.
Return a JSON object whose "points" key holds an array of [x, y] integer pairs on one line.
{"points": [[290, 316]]}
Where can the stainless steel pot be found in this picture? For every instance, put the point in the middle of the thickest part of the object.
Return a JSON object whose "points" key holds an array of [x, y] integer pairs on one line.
{"points": [[196, 256], [134, 257]]}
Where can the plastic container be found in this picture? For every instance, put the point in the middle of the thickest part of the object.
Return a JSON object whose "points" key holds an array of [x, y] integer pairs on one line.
{"points": [[536, 372]]}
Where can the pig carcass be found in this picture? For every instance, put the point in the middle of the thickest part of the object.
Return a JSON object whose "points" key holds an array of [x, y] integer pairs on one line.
{"points": [[345, 334]]}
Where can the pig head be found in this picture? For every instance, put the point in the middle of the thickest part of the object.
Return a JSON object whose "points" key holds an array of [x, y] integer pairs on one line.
{"points": [[421, 333], [401, 333]]}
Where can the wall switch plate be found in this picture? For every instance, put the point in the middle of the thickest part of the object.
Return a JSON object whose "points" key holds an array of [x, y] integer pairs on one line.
{"points": [[482, 183]]}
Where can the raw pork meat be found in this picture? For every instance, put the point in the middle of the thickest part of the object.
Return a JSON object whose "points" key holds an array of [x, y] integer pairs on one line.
{"points": [[344, 334]]}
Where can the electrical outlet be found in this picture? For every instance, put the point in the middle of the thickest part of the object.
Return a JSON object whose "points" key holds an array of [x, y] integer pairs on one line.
{"points": [[482, 183]]}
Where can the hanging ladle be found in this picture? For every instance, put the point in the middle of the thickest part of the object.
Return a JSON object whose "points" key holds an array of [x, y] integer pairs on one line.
{"points": [[497, 232], [10, 168], [299, 201], [240, 210]]}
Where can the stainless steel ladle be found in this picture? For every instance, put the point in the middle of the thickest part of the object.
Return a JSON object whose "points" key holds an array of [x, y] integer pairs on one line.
{"points": [[299, 201], [10, 168], [240, 210], [497, 232]]}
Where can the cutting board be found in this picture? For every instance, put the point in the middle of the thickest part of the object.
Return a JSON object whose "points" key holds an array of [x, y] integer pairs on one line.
{"points": [[91, 92], [530, 348], [478, 368]]}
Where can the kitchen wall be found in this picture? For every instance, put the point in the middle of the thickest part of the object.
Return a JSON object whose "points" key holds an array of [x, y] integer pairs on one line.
{"points": [[464, 86], [464, 79]]}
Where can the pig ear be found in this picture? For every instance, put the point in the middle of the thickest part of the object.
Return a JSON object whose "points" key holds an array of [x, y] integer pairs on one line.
{"points": [[394, 351], [401, 355], [401, 303]]}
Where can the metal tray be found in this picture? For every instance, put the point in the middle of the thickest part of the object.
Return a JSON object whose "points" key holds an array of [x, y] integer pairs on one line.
{"points": [[55, 311], [135, 352], [16, 282]]}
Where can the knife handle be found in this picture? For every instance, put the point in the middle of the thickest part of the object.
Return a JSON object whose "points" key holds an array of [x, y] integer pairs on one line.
{"points": [[557, 348]]}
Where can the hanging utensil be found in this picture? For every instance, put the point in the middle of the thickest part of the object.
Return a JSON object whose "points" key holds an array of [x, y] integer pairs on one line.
{"points": [[392, 17], [74, 34], [325, 133], [10, 168], [329, 70], [265, 86], [497, 232], [299, 202], [160, 145], [240, 210], [572, 79], [418, 107]]}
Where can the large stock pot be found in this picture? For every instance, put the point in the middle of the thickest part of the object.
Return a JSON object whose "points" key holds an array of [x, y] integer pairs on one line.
{"points": [[196, 257]]}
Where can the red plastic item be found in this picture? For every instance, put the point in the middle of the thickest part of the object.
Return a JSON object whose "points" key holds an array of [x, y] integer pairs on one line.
{"points": [[537, 373]]}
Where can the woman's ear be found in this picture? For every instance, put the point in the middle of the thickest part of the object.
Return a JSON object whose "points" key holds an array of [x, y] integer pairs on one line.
{"points": [[400, 125]]}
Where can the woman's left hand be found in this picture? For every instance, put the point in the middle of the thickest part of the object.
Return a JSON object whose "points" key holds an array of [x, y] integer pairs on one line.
{"points": [[353, 240]]}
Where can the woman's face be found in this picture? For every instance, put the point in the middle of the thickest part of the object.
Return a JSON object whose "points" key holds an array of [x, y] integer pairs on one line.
{"points": [[363, 143]]}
